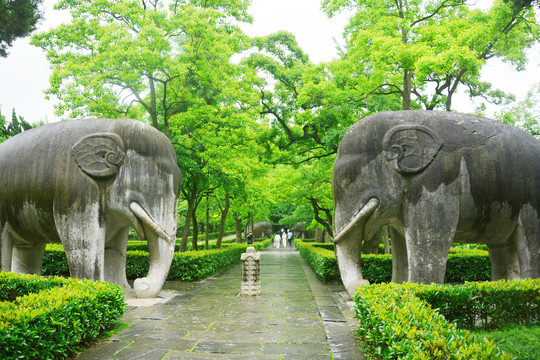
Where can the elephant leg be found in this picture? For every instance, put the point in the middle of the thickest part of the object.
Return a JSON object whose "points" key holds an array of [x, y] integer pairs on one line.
{"points": [[504, 262], [527, 242], [348, 253], [84, 243], [27, 258], [115, 258], [6, 250], [430, 225], [400, 264]]}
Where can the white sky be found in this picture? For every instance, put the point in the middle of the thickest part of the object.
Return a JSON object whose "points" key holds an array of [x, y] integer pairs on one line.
{"points": [[24, 74]]}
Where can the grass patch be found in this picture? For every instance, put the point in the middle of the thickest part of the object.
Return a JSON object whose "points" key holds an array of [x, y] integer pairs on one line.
{"points": [[520, 341]]}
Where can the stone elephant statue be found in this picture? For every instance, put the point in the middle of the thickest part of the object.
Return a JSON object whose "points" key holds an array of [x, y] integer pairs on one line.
{"points": [[84, 183], [436, 178], [299, 230], [262, 229]]}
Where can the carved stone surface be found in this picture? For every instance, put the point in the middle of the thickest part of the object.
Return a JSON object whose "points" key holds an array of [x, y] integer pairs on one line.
{"points": [[436, 178], [84, 183], [261, 230], [251, 272]]}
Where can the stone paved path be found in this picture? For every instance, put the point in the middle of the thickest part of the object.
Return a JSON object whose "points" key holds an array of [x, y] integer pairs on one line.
{"points": [[295, 317]]}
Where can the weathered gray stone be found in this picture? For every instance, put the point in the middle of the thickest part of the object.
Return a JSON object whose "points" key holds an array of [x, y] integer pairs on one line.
{"points": [[436, 178], [251, 272], [84, 183], [261, 230]]}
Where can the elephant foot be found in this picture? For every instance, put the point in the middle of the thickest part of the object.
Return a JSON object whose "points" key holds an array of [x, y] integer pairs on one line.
{"points": [[144, 290], [355, 284]]}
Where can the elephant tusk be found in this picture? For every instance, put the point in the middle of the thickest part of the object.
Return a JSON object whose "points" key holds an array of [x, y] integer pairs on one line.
{"points": [[147, 220], [364, 212]]}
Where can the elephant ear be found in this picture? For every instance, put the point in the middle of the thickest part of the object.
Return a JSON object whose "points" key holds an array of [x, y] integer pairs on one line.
{"points": [[413, 147], [99, 155]]}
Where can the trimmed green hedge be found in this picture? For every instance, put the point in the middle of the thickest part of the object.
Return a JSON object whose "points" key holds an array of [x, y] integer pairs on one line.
{"points": [[463, 264], [327, 246], [323, 261], [139, 245], [484, 304], [397, 321], [186, 266], [53, 318]]}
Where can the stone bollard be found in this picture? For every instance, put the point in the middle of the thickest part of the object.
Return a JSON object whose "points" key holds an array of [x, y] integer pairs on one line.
{"points": [[251, 272]]}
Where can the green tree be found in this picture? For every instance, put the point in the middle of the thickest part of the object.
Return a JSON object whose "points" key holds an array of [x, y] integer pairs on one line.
{"points": [[296, 98], [139, 58], [216, 142], [18, 18], [420, 52], [525, 114], [3, 137], [16, 126]]}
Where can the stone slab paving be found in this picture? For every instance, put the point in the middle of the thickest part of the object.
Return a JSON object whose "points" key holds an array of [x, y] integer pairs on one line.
{"points": [[295, 317]]}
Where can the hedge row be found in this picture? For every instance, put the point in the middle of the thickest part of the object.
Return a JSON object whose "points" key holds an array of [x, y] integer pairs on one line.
{"points": [[484, 304], [186, 266], [323, 261], [462, 265], [140, 245], [397, 321], [53, 318]]}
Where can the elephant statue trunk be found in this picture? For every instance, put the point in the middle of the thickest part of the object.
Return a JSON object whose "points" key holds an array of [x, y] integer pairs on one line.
{"points": [[161, 254], [349, 241], [358, 219], [161, 251]]}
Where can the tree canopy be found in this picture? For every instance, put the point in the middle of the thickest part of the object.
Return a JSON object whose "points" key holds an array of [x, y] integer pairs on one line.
{"points": [[18, 18], [256, 125], [421, 51], [142, 59]]}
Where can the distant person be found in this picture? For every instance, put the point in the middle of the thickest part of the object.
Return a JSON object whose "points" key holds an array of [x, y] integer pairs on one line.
{"points": [[284, 239], [250, 238], [289, 237], [277, 239]]}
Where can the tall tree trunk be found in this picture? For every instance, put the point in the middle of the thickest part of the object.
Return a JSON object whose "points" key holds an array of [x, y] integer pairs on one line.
{"points": [[192, 200], [222, 223], [326, 224], [237, 227], [407, 90], [195, 237]]}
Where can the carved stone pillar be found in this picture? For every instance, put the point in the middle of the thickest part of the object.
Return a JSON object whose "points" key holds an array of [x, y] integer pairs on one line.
{"points": [[251, 272]]}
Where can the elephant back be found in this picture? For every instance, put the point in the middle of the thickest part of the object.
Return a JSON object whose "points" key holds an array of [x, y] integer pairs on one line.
{"points": [[501, 160]]}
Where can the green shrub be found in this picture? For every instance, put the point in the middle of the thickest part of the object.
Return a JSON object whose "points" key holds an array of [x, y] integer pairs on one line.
{"points": [[54, 318], [55, 261], [322, 261], [396, 324], [377, 268], [327, 246], [467, 265], [484, 304]]}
